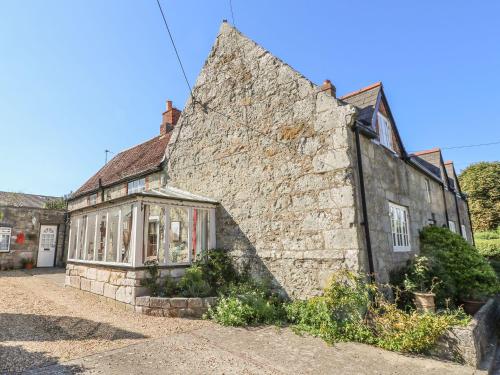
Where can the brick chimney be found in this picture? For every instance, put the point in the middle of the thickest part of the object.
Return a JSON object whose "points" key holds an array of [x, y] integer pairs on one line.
{"points": [[329, 88], [169, 118]]}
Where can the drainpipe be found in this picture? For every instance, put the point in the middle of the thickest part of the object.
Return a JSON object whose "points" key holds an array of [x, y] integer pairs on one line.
{"points": [[445, 207], [470, 222], [458, 215], [363, 205]]}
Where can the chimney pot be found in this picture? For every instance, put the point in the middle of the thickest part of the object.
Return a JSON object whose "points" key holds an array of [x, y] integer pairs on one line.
{"points": [[169, 105], [329, 88]]}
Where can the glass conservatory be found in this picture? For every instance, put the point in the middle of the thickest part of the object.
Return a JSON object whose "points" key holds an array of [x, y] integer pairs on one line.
{"points": [[167, 224]]}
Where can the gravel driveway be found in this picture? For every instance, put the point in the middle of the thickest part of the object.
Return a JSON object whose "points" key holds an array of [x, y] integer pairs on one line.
{"points": [[48, 329]]}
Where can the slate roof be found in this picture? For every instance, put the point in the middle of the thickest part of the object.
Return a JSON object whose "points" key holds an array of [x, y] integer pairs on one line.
{"points": [[364, 100], [138, 160], [24, 200]]}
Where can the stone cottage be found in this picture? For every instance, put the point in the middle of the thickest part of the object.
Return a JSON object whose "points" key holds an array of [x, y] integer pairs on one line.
{"points": [[288, 177], [30, 230]]}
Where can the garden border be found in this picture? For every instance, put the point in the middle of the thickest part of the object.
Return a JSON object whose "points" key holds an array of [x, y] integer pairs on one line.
{"points": [[176, 307]]}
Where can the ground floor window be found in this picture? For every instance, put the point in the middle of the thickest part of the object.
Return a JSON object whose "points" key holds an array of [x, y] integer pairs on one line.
{"points": [[5, 234], [400, 227], [464, 233], [452, 227]]}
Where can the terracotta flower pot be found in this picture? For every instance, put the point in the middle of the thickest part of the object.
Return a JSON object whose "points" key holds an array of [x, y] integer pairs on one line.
{"points": [[28, 266], [424, 301], [472, 306]]}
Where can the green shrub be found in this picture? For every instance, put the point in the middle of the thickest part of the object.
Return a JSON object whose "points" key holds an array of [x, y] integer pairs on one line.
{"points": [[169, 288], [411, 332], [192, 284], [488, 243], [152, 280], [419, 277], [463, 271], [248, 303], [217, 268]]}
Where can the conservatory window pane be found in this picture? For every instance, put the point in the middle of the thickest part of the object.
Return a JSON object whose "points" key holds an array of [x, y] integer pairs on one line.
{"points": [[153, 227], [81, 237], [89, 249], [201, 231], [178, 251], [74, 233], [161, 245], [126, 235], [112, 248], [101, 235]]}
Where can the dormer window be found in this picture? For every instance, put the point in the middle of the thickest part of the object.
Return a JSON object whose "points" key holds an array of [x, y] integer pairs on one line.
{"points": [[136, 186], [384, 131]]}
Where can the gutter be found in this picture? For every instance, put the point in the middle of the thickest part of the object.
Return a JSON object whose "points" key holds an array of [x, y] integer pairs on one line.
{"points": [[357, 128]]}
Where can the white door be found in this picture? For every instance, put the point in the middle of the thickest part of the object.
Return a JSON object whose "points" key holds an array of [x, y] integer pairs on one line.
{"points": [[47, 246]]}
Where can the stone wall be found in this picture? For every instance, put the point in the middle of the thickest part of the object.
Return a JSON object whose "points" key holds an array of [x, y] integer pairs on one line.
{"points": [[276, 153], [27, 221], [119, 284], [389, 179], [474, 344], [176, 307]]}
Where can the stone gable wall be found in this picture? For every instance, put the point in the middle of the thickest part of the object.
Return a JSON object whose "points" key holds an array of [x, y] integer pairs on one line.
{"points": [[276, 153]]}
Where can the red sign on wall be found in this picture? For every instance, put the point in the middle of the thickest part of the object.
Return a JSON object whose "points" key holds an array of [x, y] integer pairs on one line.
{"points": [[20, 238]]}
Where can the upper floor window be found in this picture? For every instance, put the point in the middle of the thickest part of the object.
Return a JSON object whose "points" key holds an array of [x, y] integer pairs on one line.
{"points": [[400, 226], [137, 186], [92, 199], [428, 190], [384, 131], [5, 233]]}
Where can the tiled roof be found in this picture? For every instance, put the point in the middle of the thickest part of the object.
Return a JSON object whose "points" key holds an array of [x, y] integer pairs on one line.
{"points": [[365, 100], [24, 200], [134, 161]]}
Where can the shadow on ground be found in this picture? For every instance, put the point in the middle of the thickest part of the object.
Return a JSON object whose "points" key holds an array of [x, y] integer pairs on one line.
{"points": [[33, 327], [16, 359]]}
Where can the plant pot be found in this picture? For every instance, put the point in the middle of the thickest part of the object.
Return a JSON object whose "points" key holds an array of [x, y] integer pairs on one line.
{"points": [[472, 306], [424, 301], [28, 266]]}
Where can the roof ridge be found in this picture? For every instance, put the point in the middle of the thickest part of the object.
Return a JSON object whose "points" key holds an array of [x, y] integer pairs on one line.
{"points": [[373, 85], [423, 152]]}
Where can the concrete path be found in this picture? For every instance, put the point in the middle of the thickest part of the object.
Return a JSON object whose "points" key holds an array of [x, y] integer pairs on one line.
{"points": [[64, 331]]}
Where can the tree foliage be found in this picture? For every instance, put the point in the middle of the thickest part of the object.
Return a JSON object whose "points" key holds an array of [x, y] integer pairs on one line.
{"points": [[481, 182]]}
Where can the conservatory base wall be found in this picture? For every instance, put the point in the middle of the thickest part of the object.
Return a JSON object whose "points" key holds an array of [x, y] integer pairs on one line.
{"points": [[119, 284]]}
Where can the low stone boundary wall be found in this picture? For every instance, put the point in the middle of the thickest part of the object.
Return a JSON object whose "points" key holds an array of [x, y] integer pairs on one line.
{"points": [[176, 307], [474, 344]]}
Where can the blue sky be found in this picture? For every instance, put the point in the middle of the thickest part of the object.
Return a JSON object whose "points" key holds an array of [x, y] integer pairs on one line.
{"points": [[78, 77]]}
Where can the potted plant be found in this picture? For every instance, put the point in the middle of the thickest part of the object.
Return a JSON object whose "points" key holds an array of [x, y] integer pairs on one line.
{"points": [[474, 296], [421, 284], [27, 263]]}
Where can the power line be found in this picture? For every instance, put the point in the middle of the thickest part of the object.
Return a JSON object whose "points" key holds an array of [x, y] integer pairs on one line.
{"points": [[467, 146], [175, 49], [232, 13]]}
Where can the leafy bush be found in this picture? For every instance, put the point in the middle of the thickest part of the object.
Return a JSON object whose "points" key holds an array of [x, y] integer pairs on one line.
{"points": [[152, 280], [192, 284], [217, 269], [463, 271], [411, 332], [480, 182], [339, 314], [248, 303], [488, 243], [169, 288]]}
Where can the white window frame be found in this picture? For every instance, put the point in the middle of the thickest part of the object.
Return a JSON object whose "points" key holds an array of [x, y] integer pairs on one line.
{"points": [[464, 232], [452, 226], [400, 227], [384, 131], [428, 190], [136, 186], [6, 231]]}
